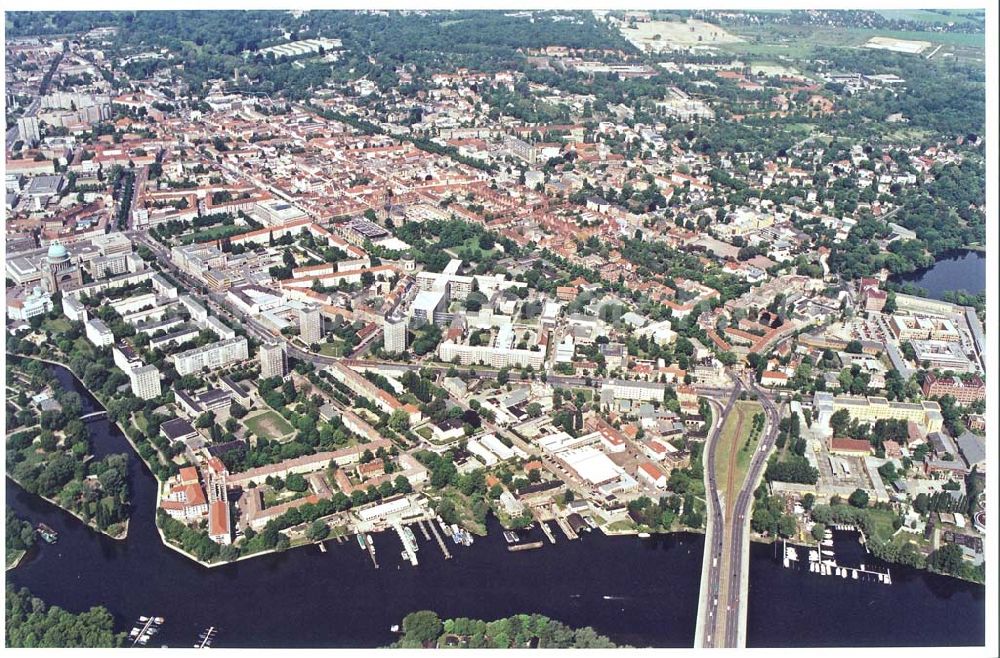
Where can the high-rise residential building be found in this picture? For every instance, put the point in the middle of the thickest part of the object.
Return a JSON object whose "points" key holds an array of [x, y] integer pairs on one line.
{"points": [[394, 334], [310, 324], [273, 362], [145, 382], [27, 129]]}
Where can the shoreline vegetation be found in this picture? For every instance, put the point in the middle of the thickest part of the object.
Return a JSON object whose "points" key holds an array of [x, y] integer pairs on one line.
{"points": [[31, 623], [424, 629]]}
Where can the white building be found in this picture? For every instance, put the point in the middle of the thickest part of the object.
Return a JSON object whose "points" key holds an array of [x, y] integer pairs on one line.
{"points": [[73, 309], [98, 333], [394, 335], [212, 356], [35, 303], [622, 389], [145, 382], [310, 324], [491, 356]]}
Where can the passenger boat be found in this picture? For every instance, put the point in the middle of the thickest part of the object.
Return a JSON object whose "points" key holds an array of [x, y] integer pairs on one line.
{"points": [[48, 534], [410, 537], [361, 541]]}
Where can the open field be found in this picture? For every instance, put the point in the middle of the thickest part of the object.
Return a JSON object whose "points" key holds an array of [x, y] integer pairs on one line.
{"points": [[956, 16], [666, 35], [268, 425], [731, 453], [782, 43]]}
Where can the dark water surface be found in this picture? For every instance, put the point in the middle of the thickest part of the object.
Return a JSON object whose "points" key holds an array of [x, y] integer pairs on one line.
{"points": [[638, 592], [960, 270]]}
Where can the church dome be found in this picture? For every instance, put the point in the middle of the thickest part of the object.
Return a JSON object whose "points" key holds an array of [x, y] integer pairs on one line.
{"points": [[57, 252]]}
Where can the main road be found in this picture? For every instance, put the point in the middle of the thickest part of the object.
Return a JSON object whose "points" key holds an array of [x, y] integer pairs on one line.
{"points": [[725, 575]]}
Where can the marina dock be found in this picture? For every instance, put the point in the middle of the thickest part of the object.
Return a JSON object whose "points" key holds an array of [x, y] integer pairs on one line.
{"points": [[822, 561], [565, 527], [548, 531], [440, 542], [423, 529]]}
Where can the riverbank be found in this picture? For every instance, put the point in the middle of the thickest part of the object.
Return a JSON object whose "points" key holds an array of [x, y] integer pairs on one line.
{"points": [[119, 537]]}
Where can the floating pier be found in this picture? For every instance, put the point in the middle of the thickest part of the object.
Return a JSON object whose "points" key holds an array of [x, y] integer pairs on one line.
{"points": [[440, 542], [525, 547], [423, 529]]}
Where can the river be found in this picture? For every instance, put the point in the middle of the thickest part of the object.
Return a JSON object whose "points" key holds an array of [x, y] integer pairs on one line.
{"points": [[638, 592], [958, 270]]}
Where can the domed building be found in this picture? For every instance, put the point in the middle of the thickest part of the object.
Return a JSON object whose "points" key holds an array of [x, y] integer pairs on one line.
{"points": [[59, 270]]}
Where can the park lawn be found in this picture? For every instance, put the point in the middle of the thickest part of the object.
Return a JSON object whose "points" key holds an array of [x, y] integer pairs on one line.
{"points": [[882, 520], [141, 422], [213, 233], [57, 326], [736, 429], [425, 431], [336, 348], [269, 425], [621, 526]]}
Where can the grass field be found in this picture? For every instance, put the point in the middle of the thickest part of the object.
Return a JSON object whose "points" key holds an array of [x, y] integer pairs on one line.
{"points": [[797, 42], [735, 432], [336, 348], [958, 16], [212, 233], [57, 326], [268, 424]]}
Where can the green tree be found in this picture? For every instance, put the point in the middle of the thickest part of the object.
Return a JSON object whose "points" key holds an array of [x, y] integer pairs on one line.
{"points": [[421, 629]]}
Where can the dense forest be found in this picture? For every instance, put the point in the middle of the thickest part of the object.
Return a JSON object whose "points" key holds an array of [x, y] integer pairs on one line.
{"points": [[30, 623]]}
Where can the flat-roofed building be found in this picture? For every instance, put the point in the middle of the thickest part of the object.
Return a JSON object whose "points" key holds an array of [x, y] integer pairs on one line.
{"points": [[214, 355], [98, 333], [496, 357], [623, 389], [926, 414]]}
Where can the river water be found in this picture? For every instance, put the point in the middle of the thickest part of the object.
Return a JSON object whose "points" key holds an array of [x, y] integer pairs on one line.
{"points": [[960, 270], [638, 592]]}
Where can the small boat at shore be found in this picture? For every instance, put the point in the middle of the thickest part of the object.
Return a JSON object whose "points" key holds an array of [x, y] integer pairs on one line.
{"points": [[644, 535], [46, 533]]}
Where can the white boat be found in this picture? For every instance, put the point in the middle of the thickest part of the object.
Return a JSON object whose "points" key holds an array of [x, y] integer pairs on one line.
{"points": [[814, 556], [643, 535], [827, 542], [827, 553], [854, 574], [143, 618], [843, 573]]}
